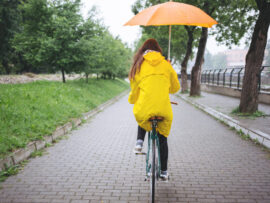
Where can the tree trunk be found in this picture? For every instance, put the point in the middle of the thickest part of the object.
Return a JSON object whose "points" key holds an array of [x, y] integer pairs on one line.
{"points": [[86, 75], [63, 75], [195, 88], [254, 60], [5, 66], [184, 83]]}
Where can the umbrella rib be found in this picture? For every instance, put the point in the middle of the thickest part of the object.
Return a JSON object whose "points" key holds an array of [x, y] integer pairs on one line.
{"points": [[155, 12], [157, 15]]}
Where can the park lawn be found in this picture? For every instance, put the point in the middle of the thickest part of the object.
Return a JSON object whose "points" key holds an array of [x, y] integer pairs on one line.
{"points": [[30, 111]]}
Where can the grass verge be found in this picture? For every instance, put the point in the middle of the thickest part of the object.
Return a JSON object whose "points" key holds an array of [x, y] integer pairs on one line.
{"points": [[13, 170], [30, 111], [254, 115]]}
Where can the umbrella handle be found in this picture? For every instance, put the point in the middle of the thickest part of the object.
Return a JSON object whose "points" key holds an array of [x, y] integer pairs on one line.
{"points": [[169, 47]]}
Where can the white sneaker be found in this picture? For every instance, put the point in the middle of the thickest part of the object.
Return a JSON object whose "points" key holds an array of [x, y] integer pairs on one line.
{"points": [[164, 175], [139, 146]]}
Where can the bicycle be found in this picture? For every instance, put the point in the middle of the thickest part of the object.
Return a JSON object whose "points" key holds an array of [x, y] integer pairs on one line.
{"points": [[153, 168]]}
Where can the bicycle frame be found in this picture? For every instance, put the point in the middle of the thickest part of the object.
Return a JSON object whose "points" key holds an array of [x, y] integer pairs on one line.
{"points": [[153, 170], [152, 136]]}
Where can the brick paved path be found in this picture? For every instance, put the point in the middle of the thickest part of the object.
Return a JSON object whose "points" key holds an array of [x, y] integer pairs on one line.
{"points": [[207, 161], [226, 104]]}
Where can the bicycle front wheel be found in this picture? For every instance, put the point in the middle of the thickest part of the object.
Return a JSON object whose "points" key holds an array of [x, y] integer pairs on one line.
{"points": [[153, 172]]}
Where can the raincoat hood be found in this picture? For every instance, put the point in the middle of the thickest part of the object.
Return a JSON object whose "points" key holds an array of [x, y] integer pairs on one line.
{"points": [[153, 57]]}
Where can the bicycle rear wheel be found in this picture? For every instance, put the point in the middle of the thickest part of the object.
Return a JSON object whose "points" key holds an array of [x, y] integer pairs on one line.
{"points": [[153, 172]]}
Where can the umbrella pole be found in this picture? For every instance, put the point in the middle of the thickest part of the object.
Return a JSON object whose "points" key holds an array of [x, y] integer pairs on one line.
{"points": [[169, 47]]}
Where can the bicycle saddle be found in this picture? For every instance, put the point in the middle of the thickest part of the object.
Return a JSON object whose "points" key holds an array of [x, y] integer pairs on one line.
{"points": [[158, 118]]}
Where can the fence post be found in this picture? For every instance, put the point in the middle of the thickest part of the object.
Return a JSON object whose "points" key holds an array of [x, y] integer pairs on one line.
{"points": [[218, 76], [203, 75], [231, 77], [209, 76], [224, 74], [213, 78], [238, 80]]}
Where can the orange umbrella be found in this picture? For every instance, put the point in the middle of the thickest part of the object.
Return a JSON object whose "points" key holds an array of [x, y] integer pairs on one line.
{"points": [[172, 13]]}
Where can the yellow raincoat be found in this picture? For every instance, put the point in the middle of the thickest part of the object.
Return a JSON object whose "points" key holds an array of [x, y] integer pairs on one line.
{"points": [[150, 92]]}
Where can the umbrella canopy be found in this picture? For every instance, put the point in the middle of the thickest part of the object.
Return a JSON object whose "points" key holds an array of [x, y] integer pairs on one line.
{"points": [[172, 13]]}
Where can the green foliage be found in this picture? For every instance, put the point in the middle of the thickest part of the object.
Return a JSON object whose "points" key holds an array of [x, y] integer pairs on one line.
{"points": [[48, 145], [30, 111], [256, 141], [254, 115], [105, 55], [243, 135], [9, 172], [9, 20], [195, 96], [235, 19], [13, 170], [37, 153], [53, 36], [49, 34]]}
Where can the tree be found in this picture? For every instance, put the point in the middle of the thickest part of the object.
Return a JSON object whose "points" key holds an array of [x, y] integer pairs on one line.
{"points": [[234, 20], [9, 24], [195, 89], [184, 78], [90, 45], [50, 34], [254, 59], [65, 36], [100, 52], [116, 57], [32, 38]]}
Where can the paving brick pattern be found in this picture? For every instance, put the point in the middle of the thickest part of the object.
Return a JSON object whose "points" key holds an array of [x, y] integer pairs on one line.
{"points": [[226, 104], [207, 162]]}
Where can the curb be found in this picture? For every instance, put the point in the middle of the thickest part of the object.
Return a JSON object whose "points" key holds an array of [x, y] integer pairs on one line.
{"points": [[257, 135], [24, 153]]}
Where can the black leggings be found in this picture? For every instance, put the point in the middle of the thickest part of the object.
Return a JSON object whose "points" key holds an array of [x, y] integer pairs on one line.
{"points": [[163, 147]]}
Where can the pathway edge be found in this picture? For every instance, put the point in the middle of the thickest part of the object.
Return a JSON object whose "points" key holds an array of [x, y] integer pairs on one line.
{"points": [[24, 153], [257, 135]]}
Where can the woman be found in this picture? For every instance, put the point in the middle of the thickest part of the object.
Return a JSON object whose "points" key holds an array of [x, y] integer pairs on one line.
{"points": [[152, 78]]}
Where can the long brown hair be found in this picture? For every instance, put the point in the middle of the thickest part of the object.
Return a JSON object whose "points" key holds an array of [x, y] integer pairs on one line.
{"points": [[151, 44]]}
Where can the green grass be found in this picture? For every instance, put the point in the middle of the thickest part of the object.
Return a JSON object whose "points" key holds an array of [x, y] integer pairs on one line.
{"points": [[30, 111], [254, 115], [37, 153], [13, 170], [195, 96], [185, 92]]}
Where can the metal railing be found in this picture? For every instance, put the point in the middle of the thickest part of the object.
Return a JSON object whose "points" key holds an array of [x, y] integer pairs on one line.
{"points": [[233, 77]]}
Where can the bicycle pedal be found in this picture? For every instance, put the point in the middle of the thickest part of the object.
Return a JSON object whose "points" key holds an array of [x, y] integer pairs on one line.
{"points": [[139, 153], [146, 178]]}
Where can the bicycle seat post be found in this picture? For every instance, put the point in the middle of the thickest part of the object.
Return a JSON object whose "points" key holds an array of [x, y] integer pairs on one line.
{"points": [[154, 123]]}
